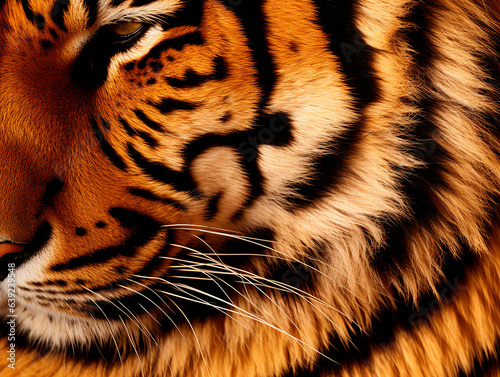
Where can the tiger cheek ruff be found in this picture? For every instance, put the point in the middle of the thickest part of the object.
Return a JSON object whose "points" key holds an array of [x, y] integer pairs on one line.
{"points": [[249, 188]]}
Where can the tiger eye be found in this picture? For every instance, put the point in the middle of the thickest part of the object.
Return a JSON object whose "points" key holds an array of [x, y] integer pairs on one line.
{"points": [[124, 29]]}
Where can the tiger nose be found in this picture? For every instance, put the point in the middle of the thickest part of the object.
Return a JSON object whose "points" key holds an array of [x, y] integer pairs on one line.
{"points": [[9, 248]]}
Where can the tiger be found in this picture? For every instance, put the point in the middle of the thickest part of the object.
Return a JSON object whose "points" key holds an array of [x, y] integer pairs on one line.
{"points": [[258, 188]]}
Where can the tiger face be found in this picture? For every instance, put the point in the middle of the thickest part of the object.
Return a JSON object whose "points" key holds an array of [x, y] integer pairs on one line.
{"points": [[120, 165], [196, 188]]}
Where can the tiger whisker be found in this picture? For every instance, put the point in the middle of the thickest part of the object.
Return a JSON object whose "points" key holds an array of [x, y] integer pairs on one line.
{"points": [[96, 343], [284, 287], [147, 312], [286, 256], [244, 273], [256, 284], [234, 272], [171, 320], [258, 288], [135, 321], [189, 277], [209, 273], [223, 264], [112, 336], [132, 343], [140, 325], [152, 290], [181, 226], [198, 300], [240, 272], [139, 293], [253, 316], [209, 279], [194, 334]]}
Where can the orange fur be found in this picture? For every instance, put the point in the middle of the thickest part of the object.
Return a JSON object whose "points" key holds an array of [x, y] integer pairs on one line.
{"points": [[153, 174]]}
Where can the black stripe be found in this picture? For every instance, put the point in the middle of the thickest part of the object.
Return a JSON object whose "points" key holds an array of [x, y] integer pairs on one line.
{"points": [[337, 19], [191, 13], [149, 268], [53, 188], [212, 206], [143, 227], [326, 169], [130, 219], [487, 364], [251, 16], [220, 68], [106, 148], [134, 305], [91, 6], [296, 274], [235, 140], [226, 117], [161, 173], [116, 3], [99, 256], [57, 13], [419, 184], [126, 126], [492, 64], [46, 44], [53, 33], [140, 3], [168, 105], [154, 264], [148, 139], [387, 322], [155, 126], [240, 253], [105, 124], [275, 129], [299, 273], [156, 66], [46, 283], [146, 194], [28, 11], [36, 19], [419, 36], [192, 79], [177, 43], [129, 66]]}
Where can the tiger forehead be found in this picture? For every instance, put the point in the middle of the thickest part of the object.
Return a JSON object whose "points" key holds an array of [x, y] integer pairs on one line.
{"points": [[74, 15]]}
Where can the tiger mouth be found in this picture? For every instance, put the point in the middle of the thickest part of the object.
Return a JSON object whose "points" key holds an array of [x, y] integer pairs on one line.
{"points": [[24, 252], [8, 247]]}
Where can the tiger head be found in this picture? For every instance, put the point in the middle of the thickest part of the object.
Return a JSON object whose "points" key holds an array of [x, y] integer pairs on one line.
{"points": [[189, 169]]}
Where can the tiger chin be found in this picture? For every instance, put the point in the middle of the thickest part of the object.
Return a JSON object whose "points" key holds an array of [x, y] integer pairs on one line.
{"points": [[249, 188]]}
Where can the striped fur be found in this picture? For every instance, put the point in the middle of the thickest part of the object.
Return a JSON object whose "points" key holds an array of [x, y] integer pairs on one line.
{"points": [[251, 188]]}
